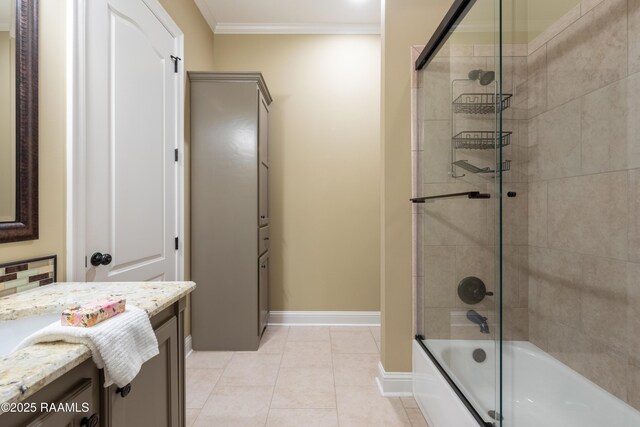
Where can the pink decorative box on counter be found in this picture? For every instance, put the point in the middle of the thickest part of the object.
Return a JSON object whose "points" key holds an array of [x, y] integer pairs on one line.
{"points": [[93, 313]]}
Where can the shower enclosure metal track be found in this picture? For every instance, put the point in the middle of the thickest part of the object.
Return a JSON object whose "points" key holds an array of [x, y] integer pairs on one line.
{"points": [[420, 340]]}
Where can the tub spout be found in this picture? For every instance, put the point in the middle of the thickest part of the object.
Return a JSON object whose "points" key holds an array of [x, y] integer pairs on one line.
{"points": [[478, 319]]}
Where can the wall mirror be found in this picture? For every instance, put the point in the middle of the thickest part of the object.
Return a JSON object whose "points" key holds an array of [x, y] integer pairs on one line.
{"points": [[18, 120]]}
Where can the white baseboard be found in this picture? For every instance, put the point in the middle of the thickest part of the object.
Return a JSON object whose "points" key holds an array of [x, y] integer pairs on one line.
{"points": [[188, 346], [325, 318], [394, 384]]}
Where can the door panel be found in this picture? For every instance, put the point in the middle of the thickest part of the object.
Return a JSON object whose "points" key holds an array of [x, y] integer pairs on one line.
{"points": [[263, 291], [264, 196], [153, 399], [264, 236], [132, 120], [263, 135]]}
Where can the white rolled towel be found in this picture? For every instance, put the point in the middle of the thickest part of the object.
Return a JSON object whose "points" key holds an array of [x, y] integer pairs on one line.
{"points": [[119, 345]]}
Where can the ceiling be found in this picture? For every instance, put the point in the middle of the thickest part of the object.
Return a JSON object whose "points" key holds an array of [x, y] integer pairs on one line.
{"points": [[292, 16]]}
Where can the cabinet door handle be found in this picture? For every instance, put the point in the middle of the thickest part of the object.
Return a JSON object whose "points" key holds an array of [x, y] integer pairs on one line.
{"points": [[92, 421], [266, 238], [124, 391]]}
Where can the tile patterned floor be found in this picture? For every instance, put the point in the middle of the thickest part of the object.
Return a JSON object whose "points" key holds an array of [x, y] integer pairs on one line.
{"points": [[300, 377]]}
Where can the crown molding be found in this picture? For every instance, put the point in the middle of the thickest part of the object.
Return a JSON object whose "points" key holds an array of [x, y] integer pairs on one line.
{"points": [[207, 14], [233, 28]]}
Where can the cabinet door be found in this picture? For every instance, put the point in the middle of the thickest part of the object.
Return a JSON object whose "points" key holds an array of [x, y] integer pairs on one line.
{"points": [[263, 291], [263, 132], [153, 398], [263, 196], [79, 397], [264, 238]]}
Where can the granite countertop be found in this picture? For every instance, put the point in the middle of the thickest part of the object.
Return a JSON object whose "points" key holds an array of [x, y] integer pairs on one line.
{"points": [[26, 371]]}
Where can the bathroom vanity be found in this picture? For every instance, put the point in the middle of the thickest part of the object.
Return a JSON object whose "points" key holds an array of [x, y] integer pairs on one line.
{"points": [[62, 373]]}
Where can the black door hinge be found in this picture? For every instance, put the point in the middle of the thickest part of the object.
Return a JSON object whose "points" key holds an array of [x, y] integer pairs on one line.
{"points": [[175, 60], [177, 245], [176, 154]]}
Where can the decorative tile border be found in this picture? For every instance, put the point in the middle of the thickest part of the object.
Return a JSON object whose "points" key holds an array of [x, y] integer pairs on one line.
{"points": [[27, 274]]}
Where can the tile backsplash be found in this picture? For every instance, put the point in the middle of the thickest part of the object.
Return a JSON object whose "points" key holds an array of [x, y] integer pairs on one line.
{"points": [[23, 275]]}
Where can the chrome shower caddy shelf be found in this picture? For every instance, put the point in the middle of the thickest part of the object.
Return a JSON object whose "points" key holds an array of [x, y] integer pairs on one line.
{"points": [[480, 140], [506, 165], [470, 102], [480, 103]]}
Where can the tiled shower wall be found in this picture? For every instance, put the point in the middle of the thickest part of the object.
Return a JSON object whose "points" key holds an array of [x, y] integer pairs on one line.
{"points": [[584, 193], [571, 237]]}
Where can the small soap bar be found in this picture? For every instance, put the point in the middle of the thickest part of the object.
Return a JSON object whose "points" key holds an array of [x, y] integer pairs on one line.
{"points": [[93, 313]]}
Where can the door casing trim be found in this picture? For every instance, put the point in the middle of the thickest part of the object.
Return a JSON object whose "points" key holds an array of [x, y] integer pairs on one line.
{"points": [[76, 143]]}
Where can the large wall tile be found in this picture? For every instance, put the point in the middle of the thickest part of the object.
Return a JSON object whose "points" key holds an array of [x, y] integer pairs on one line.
{"points": [[559, 141], [514, 81], [537, 81], [515, 286], [439, 276], [604, 302], [456, 221], [537, 214], [596, 361], [515, 220], [634, 215], [436, 157], [437, 323], [558, 279], [633, 383], [607, 368], [633, 309], [435, 91], [588, 214], [515, 324], [589, 54], [610, 127], [634, 36]]}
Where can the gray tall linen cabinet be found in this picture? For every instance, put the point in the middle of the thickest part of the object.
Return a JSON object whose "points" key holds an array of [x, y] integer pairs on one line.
{"points": [[229, 209]]}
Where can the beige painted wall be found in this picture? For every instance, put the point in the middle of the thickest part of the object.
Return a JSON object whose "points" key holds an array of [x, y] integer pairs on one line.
{"points": [[7, 126], [52, 141], [198, 39], [324, 134], [406, 23]]}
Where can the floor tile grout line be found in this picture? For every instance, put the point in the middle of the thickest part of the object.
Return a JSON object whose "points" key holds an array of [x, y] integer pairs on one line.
{"points": [[333, 371], [273, 391], [210, 393]]}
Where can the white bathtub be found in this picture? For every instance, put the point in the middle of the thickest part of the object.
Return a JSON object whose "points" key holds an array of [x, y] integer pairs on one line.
{"points": [[538, 390], [12, 332]]}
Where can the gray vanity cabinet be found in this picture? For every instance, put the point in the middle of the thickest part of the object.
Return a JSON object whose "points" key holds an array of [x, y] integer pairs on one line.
{"points": [[229, 210], [154, 398]]}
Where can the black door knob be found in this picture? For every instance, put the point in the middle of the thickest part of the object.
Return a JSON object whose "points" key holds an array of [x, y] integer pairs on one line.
{"points": [[92, 421], [100, 259], [124, 391]]}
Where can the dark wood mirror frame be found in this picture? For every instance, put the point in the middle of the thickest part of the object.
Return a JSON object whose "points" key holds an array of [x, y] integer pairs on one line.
{"points": [[25, 226]]}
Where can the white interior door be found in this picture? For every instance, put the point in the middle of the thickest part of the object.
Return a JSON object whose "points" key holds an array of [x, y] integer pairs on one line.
{"points": [[132, 122]]}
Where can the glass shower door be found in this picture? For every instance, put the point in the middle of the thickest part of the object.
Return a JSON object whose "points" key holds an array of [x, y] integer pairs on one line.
{"points": [[457, 198]]}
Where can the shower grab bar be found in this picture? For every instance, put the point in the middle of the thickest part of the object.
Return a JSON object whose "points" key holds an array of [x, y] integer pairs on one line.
{"points": [[468, 194]]}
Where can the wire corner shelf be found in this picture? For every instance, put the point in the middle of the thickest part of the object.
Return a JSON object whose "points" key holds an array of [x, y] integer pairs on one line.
{"points": [[480, 140], [480, 103]]}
